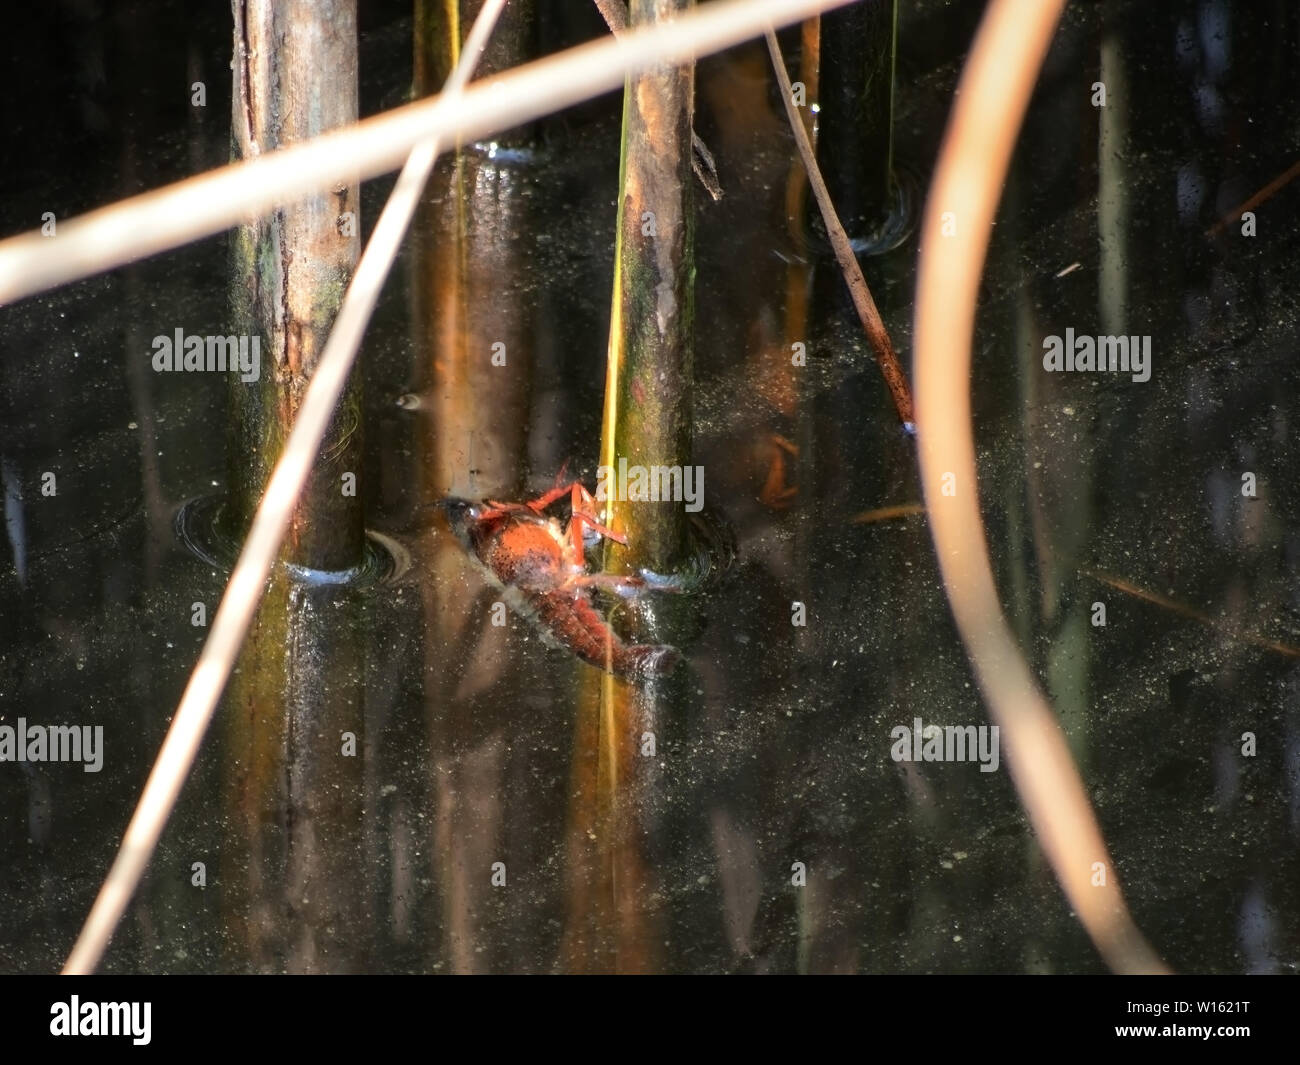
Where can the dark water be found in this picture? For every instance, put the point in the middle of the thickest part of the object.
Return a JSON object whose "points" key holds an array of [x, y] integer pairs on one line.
{"points": [[479, 745]]}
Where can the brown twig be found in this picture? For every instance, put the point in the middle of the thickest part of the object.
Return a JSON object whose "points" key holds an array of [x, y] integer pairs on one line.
{"points": [[614, 12], [1183, 610], [1267, 192], [898, 510], [895, 379]]}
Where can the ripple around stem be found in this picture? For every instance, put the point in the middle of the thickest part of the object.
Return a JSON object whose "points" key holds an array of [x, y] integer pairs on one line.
{"points": [[199, 527], [711, 553]]}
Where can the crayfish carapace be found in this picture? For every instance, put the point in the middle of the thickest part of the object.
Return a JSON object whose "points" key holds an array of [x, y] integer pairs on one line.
{"points": [[540, 566]]}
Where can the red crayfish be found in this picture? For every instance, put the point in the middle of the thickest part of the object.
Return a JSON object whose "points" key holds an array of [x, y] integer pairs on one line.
{"points": [[541, 568]]}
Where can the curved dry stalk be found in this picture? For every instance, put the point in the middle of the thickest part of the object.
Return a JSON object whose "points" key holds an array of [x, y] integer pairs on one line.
{"points": [[990, 106], [248, 581], [201, 206]]}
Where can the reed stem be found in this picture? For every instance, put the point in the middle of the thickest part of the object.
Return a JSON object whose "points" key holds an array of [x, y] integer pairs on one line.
{"points": [[295, 77], [647, 421]]}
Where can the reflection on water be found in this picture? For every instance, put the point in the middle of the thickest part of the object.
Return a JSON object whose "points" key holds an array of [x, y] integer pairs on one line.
{"points": [[398, 783]]}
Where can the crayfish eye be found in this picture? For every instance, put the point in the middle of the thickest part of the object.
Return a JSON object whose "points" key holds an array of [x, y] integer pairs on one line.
{"points": [[460, 512]]}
